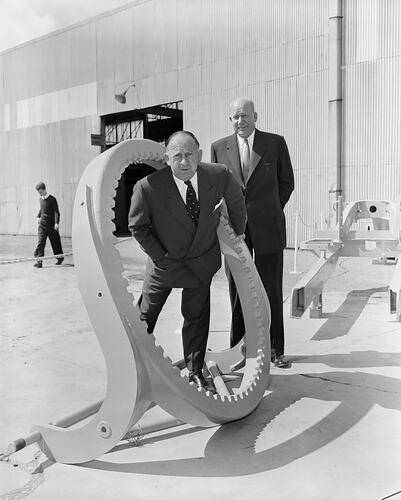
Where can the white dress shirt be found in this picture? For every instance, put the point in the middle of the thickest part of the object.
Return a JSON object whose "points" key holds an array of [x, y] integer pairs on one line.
{"points": [[182, 188]]}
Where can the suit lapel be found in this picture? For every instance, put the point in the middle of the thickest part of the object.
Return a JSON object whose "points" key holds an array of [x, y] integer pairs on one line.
{"points": [[233, 156], [258, 150]]}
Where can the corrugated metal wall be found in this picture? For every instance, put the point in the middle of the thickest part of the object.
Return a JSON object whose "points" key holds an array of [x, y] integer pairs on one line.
{"points": [[205, 53], [48, 86], [372, 100]]}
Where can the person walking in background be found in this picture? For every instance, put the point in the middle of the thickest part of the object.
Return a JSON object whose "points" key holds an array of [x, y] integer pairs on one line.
{"points": [[48, 224], [260, 161], [174, 216]]}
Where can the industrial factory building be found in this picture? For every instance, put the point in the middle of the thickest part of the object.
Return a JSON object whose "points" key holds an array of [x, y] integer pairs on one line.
{"points": [[325, 74]]}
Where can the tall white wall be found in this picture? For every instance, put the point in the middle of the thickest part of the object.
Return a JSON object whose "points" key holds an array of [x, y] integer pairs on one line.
{"points": [[205, 53]]}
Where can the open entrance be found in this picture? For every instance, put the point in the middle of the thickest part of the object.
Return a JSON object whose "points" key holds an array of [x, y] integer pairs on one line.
{"points": [[156, 123]]}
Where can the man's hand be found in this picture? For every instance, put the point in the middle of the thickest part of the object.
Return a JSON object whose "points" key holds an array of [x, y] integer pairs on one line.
{"points": [[56, 227], [38, 219]]}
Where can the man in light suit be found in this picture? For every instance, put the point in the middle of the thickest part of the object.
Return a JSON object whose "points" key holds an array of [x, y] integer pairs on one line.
{"points": [[174, 215], [260, 161]]}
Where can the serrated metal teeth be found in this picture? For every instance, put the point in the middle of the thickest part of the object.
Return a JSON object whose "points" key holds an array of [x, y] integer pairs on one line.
{"points": [[167, 357], [159, 349], [248, 275]]}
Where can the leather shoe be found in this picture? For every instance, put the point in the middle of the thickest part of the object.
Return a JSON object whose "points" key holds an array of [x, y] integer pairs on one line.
{"points": [[59, 261], [38, 264], [280, 362], [200, 381]]}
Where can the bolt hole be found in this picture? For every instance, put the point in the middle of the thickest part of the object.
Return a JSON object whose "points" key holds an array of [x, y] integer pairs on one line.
{"points": [[103, 429], [99, 294], [82, 203], [372, 209]]}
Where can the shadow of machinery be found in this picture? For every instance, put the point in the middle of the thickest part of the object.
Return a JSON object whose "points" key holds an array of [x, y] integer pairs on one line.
{"points": [[340, 322], [231, 450]]}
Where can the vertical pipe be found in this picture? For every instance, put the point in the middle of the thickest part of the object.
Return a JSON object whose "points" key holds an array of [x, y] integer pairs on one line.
{"points": [[335, 94], [295, 271]]}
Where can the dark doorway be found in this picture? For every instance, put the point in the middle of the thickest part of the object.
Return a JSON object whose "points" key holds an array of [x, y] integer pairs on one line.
{"points": [[156, 123]]}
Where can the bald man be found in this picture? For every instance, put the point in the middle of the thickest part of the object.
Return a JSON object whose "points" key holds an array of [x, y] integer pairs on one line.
{"points": [[261, 163], [174, 216]]}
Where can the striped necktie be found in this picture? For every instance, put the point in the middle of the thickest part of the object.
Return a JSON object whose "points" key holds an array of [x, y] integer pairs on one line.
{"points": [[193, 207], [245, 160]]}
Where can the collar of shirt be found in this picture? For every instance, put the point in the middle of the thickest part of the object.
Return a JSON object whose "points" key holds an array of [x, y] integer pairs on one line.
{"points": [[182, 188], [45, 197], [241, 142]]}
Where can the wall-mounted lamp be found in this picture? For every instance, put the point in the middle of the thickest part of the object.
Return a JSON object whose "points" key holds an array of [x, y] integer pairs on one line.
{"points": [[121, 97]]}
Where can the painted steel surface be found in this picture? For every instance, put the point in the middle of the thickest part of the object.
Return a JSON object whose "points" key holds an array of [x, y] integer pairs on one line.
{"points": [[138, 372], [382, 233]]}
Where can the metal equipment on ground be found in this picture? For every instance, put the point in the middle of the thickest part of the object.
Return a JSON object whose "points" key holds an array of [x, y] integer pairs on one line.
{"points": [[139, 375], [364, 228]]}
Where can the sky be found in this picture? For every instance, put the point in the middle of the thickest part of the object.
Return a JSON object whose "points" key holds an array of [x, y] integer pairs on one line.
{"points": [[23, 20]]}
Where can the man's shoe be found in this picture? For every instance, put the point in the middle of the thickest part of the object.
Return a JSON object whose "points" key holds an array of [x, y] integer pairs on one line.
{"points": [[280, 362], [38, 264], [198, 379], [59, 261]]}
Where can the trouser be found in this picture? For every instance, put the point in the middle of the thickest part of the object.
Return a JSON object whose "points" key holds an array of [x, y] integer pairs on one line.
{"points": [[270, 269], [195, 308], [54, 237]]}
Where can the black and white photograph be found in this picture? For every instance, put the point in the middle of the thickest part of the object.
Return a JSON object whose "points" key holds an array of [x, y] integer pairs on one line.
{"points": [[200, 249]]}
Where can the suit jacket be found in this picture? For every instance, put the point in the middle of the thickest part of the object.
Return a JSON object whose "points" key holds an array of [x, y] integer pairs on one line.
{"points": [[183, 254], [269, 186]]}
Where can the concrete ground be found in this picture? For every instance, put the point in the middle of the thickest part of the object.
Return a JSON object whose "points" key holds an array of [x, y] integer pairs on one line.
{"points": [[328, 428]]}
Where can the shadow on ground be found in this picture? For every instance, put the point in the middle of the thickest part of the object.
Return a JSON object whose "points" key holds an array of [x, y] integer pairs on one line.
{"points": [[231, 450], [340, 322]]}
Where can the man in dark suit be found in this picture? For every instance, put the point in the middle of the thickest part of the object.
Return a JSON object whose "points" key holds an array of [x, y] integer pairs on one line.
{"points": [[174, 215], [261, 163]]}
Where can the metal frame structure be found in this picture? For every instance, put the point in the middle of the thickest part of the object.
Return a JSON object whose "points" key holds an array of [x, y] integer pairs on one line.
{"points": [[382, 233]]}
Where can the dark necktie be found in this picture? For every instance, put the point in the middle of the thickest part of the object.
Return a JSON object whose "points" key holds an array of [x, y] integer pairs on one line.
{"points": [[246, 160], [192, 202]]}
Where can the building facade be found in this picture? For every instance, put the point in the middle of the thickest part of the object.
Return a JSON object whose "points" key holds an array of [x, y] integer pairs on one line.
{"points": [[326, 74]]}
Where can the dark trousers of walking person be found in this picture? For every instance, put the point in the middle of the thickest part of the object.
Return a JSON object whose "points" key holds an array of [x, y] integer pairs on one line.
{"points": [[270, 269], [45, 232]]}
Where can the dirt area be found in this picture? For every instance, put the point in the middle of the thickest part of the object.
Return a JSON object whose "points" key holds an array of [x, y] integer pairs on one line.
{"points": [[331, 423]]}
